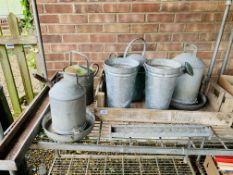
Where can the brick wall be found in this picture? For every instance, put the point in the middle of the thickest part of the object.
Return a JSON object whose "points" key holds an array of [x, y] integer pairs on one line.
{"points": [[100, 27]]}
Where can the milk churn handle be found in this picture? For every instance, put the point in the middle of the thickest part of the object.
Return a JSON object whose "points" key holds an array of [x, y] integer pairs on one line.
{"points": [[130, 45], [193, 46], [81, 54]]}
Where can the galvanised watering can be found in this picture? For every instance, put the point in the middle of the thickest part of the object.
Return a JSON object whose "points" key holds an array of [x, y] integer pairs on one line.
{"points": [[85, 74], [188, 86]]}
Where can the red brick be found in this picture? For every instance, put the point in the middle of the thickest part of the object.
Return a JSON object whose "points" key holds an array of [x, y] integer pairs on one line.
{"points": [[139, 47], [61, 28], [125, 18], [172, 27], [207, 6], [169, 46], [51, 73], [47, 47], [158, 37], [55, 57], [49, 19], [43, 28], [49, 1], [157, 54], [62, 47], [58, 8], [115, 48], [40, 8], [208, 36], [185, 37], [197, 17], [90, 28], [128, 37], [175, 7], [52, 38], [102, 18], [91, 47], [203, 46], [88, 8], [103, 38], [145, 7], [112, 28], [200, 27], [73, 38], [160, 17], [116, 8], [73, 19], [144, 28]]}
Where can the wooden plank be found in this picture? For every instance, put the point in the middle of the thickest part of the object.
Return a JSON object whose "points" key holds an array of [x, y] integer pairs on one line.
{"points": [[210, 166], [226, 81], [10, 82], [8, 165], [215, 96], [19, 50], [18, 40], [164, 116]]}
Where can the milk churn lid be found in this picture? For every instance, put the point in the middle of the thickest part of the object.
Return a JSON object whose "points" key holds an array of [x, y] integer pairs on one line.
{"points": [[67, 89], [191, 58]]}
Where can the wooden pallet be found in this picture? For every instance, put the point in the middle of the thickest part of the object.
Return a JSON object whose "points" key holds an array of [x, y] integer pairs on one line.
{"points": [[219, 99], [136, 113]]}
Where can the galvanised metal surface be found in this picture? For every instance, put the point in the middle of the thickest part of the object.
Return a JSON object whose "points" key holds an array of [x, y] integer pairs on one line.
{"points": [[99, 140], [139, 89], [86, 79], [68, 105], [74, 164], [120, 77], [188, 86], [161, 76]]}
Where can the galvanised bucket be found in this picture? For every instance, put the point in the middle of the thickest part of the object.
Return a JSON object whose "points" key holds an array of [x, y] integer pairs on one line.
{"points": [[120, 77], [139, 88], [161, 76]]}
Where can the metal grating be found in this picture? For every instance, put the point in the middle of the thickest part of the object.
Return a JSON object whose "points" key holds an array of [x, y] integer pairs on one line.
{"points": [[120, 165]]}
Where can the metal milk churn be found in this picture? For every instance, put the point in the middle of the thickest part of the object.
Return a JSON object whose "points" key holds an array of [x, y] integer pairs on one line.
{"points": [[188, 86], [68, 105]]}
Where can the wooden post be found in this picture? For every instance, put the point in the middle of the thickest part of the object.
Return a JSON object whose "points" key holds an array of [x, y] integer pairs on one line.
{"points": [[21, 57], [10, 82]]}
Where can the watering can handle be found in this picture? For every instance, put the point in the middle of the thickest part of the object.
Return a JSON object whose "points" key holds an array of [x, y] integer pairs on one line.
{"points": [[97, 68], [130, 45], [81, 54], [111, 55], [192, 46]]}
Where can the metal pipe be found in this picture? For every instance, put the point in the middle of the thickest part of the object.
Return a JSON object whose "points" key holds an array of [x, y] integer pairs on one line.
{"points": [[226, 56], [135, 149], [212, 63], [39, 36]]}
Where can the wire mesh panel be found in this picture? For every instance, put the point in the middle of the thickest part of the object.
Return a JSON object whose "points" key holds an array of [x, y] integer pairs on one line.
{"points": [[120, 165]]}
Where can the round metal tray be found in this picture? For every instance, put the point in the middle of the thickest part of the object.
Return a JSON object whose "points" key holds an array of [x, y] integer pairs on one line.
{"points": [[47, 127]]}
